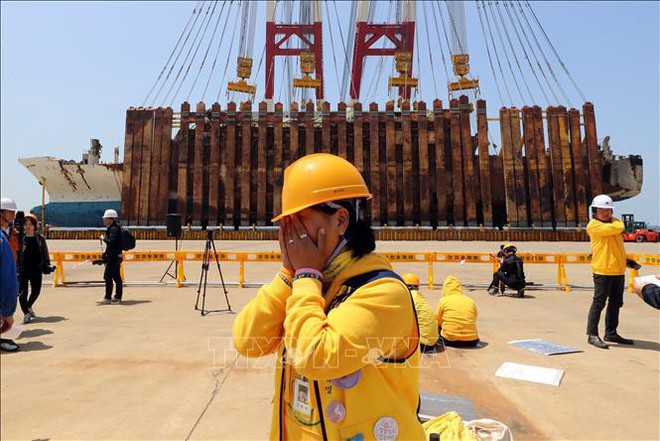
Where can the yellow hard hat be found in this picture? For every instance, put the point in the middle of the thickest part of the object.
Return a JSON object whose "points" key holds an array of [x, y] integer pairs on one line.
{"points": [[509, 246], [318, 178], [411, 279]]}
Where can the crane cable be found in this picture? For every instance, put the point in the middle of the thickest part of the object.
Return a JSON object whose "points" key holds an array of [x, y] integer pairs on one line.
{"points": [[231, 47], [160, 75], [332, 44], [540, 48], [555, 51], [513, 51], [194, 55], [206, 53], [176, 59], [490, 59], [428, 46], [437, 31], [371, 91], [192, 44], [217, 52], [506, 55], [513, 13], [497, 55], [341, 35]]}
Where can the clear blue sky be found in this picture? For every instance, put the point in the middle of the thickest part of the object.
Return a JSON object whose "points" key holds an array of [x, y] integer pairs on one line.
{"points": [[70, 70]]}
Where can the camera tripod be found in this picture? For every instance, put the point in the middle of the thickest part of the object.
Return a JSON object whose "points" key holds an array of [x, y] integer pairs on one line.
{"points": [[173, 263], [210, 253]]}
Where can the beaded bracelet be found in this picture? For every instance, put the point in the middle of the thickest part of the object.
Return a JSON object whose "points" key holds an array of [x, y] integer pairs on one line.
{"points": [[308, 276], [287, 281]]}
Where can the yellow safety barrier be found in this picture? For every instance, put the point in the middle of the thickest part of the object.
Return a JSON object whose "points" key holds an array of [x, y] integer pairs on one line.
{"points": [[561, 260]]}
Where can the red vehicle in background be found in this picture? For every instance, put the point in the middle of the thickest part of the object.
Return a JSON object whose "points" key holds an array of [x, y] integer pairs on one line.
{"points": [[637, 231]]}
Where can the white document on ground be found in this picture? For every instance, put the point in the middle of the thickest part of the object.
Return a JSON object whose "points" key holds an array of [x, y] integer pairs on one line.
{"points": [[527, 372], [647, 279], [13, 333]]}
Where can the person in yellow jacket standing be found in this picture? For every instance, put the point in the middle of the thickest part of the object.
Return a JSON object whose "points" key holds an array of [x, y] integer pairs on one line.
{"points": [[457, 315], [608, 263], [428, 323], [341, 322]]}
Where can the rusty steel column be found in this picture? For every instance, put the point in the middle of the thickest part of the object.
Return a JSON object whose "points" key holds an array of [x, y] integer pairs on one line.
{"points": [[390, 140], [408, 181], [156, 199], [294, 133], [484, 164], [126, 196], [440, 188], [198, 163], [230, 182], [508, 167], [214, 165], [557, 174], [182, 181], [532, 167], [262, 155], [567, 168], [594, 154], [424, 181], [280, 162], [520, 185], [469, 177], [458, 183], [578, 152], [545, 170], [358, 153], [136, 175], [375, 164], [244, 169]]}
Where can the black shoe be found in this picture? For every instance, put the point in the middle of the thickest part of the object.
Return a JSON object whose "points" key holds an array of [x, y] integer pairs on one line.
{"points": [[8, 345], [616, 338], [596, 341], [521, 293], [116, 300]]}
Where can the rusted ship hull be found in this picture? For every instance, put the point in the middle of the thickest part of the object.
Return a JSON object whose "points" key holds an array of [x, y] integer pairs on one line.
{"points": [[424, 167]]}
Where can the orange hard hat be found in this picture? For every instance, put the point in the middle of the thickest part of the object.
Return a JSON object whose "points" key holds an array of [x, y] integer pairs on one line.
{"points": [[411, 279], [318, 178]]}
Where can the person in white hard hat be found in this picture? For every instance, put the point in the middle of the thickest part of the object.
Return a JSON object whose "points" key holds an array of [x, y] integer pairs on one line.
{"points": [[112, 257], [8, 277], [7, 216], [608, 263]]}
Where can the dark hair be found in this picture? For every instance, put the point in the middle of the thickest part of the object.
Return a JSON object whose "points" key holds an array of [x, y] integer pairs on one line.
{"points": [[360, 236]]}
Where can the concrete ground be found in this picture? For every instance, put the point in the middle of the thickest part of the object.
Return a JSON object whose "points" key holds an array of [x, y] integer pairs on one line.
{"points": [[153, 368]]}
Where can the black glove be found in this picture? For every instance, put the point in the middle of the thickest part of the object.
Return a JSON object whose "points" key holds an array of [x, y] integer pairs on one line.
{"points": [[630, 263], [98, 262]]}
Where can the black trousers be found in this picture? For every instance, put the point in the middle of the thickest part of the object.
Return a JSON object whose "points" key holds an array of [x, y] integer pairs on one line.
{"points": [[510, 281], [610, 289], [112, 274], [33, 278]]}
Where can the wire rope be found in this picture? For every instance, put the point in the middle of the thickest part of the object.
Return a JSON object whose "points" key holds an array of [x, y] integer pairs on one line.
{"points": [[160, 75], [194, 55], [190, 49], [561, 62], [206, 53], [176, 59], [513, 52], [428, 46], [545, 59], [506, 55], [217, 52], [231, 47], [522, 45], [497, 55], [490, 58]]}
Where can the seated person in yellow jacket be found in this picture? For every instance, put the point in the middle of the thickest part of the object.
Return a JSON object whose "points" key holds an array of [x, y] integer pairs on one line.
{"points": [[341, 322], [457, 315], [428, 323]]}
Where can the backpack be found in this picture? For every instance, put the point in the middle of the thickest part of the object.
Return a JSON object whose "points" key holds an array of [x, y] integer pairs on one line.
{"points": [[127, 240]]}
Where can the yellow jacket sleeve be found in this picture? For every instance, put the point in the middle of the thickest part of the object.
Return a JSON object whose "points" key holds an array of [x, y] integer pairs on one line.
{"points": [[258, 328], [375, 320], [596, 228]]}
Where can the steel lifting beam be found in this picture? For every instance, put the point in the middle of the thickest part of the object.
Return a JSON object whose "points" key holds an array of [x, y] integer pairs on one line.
{"points": [[401, 35], [276, 38]]}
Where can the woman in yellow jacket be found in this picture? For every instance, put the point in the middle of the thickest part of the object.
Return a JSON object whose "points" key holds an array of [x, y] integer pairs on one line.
{"points": [[428, 323], [341, 322], [457, 315]]}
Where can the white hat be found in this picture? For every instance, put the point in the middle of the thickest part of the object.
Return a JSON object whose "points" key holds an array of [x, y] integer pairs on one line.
{"points": [[110, 213], [7, 204], [603, 201]]}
